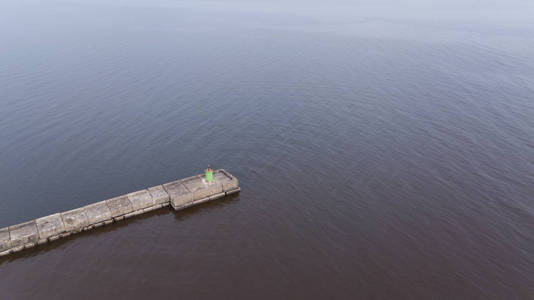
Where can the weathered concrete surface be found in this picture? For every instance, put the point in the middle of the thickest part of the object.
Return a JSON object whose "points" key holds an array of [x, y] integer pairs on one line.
{"points": [[74, 220], [141, 199], [24, 234], [233, 191], [202, 189], [5, 240], [178, 194], [159, 194], [217, 196], [227, 181], [50, 226], [97, 213], [199, 201], [119, 206]]}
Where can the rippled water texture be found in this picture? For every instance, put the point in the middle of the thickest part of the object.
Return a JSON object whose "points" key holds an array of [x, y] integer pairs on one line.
{"points": [[384, 150]]}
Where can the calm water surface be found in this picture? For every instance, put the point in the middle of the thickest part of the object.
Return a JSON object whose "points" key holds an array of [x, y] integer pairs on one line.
{"points": [[385, 150]]}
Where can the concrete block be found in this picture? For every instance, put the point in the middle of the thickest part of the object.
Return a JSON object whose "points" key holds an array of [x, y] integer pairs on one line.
{"points": [[97, 212], [49, 226], [217, 196], [154, 207], [74, 220], [199, 201], [23, 234], [178, 194], [5, 240], [17, 249], [233, 191], [98, 224], [227, 181], [119, 218], [159, 194], [30, 245], [133, 213], [141, 199], [119, 206], [202, 189]]}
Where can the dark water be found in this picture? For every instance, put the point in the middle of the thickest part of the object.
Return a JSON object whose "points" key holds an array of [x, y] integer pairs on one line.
{"points": [[385, 150]]}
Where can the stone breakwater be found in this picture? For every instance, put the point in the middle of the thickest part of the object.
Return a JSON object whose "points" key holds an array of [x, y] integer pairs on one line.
{"points": [[178, 194]]}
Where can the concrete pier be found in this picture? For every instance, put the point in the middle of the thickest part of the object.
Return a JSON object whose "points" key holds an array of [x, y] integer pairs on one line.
{"points": [[178, 194]]}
